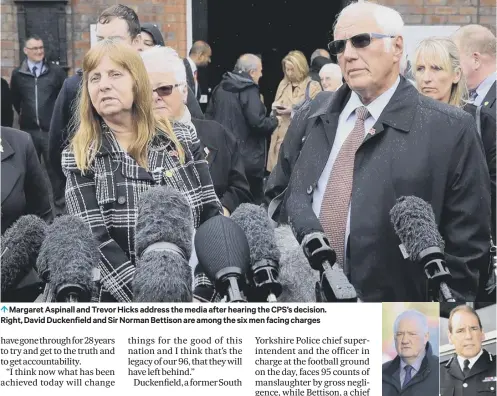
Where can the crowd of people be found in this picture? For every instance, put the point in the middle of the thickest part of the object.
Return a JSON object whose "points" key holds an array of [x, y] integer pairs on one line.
{"points": [[341, 143]]}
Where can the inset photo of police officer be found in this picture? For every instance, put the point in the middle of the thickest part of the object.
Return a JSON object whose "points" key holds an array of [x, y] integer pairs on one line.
{"points": [[410, 349], [467, 349]]}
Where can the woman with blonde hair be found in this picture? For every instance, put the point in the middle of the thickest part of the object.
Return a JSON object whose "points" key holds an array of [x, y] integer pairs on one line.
{"points": [[295, 88], [438, 73], [119, 151], [437, 68]]}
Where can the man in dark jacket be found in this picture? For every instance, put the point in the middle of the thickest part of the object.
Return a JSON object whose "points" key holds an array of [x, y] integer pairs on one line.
{"points": [[477, 50], [7, 111], [34, 87], [395, 143], [471, 371], [236, 104], [414, 371]]}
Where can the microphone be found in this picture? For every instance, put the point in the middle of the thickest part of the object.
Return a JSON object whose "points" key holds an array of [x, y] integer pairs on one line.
{"points": [[297, 278], [334, 285], [414, 223], [68, 257], [223, 253], [163, 246], [264, 253], [21, 245]]}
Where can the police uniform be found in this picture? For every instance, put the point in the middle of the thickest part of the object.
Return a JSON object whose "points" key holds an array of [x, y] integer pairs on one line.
{"points": [[480, 380]]}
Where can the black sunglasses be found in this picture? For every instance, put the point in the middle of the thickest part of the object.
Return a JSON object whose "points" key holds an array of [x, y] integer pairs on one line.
{"points": [[166, 90], [358, 41]]}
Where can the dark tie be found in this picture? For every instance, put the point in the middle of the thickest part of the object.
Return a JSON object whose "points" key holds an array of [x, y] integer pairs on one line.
{"points": [[336, 199], [473, 95], [466, 369], [34, 70], [408, 377]]}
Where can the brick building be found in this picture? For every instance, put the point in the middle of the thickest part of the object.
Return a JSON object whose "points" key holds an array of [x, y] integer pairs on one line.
{"points": [[66, 23]]}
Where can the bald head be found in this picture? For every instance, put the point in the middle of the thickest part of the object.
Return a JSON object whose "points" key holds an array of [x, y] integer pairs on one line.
{"points": [[200, 53], [320, 52], [477, 49]]}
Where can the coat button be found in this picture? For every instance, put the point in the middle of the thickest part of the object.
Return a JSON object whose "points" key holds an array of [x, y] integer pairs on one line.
{"points": [[121, 200], [465, 385], [310, 189]]}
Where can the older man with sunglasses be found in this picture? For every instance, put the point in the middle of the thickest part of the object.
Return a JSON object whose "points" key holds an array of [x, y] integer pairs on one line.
{"points": [[376, 139]]}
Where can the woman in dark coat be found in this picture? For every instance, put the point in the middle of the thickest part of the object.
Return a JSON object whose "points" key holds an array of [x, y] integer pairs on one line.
{"points": [[24, 190], [119, 151]]}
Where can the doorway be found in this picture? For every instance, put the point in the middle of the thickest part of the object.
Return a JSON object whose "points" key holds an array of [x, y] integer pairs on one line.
{"points": [[267, 28]]}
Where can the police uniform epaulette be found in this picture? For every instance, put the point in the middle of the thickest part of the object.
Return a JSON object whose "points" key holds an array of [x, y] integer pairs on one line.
{"points": [[450, 361]]}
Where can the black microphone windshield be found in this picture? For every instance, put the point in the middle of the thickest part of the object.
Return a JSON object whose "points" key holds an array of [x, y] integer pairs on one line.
{"points": [[70, 253], [21, 244], [414, 223], [164, 215], [264, 252], [220, 243]]}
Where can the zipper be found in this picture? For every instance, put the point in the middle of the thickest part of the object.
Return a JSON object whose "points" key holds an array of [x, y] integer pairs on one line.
{"points": [[36, 102]]}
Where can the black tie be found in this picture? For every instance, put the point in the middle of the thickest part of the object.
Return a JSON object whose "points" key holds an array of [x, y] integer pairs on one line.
{"points": [[466, 369], [34, 70]]}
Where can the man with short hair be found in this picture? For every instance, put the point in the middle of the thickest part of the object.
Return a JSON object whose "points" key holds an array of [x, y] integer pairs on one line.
{"points": [[34, 88], [414, 371], [236, 104], [375, 140], [199, 56], [477, 49], [331, 77], [471, 371]]}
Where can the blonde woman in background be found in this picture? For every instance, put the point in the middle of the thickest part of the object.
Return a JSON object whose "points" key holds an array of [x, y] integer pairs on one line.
{"points": [[438, 73], [291, 91]]}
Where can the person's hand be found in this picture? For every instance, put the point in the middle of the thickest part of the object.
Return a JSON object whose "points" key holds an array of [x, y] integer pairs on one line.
{"points": [[226, 212], [283, 111]]}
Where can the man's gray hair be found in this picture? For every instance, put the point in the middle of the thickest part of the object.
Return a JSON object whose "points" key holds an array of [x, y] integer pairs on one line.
{"points": [[389, 20], [319, 52], [247, 63], [164, 60], [412, 314], [333, 69]]}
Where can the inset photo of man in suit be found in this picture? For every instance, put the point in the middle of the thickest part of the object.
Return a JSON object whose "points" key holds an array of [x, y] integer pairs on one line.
{"points": [[467, 362], [410, 349]]}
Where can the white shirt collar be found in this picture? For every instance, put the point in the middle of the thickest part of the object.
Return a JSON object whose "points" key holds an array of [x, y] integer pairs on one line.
{"points": [[417, 363], [485, 86], [472, 361], [376, 107], [39, 66], [192, 64]]}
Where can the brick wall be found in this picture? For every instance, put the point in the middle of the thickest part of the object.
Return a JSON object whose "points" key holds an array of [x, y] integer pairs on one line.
{"points": [[170, 15], [445, 12]]}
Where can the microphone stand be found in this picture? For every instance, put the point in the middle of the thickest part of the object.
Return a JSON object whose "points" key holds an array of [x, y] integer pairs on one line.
{"points": [[263, 279], [437, 274]]}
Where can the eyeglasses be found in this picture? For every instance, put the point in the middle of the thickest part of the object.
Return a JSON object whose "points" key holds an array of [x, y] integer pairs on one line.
{"points": [[358, 41], [35, 48], [166, 90]]}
